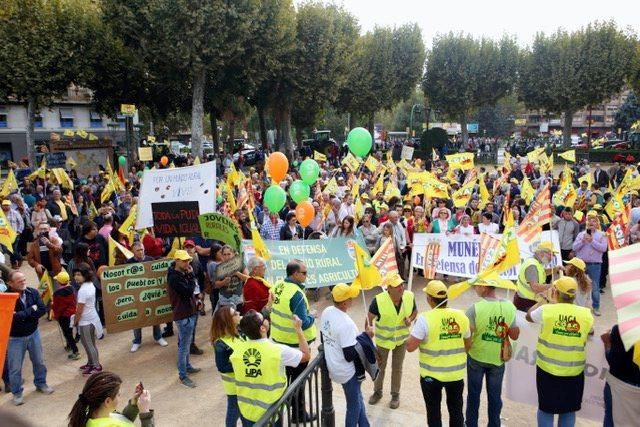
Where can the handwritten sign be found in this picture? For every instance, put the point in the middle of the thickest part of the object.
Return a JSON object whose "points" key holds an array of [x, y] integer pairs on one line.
{"points": [[135, 295], [176, 219], [216, 226], [145, 154], [56, 160]]}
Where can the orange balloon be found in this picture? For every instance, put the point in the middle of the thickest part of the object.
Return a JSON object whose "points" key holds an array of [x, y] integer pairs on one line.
{"points": [[305, 213], [416, 200], [278, 165], [164, 160]]}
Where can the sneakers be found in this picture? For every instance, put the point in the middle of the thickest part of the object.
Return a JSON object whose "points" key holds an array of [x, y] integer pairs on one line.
{"points": [[192, 370], [162, 342], [186, 381], [45, 389], [83, 367], [95, 369], [87, 370], [135, 347], [596, 312], [395, 402], [74, 356], [375, 398], [195, 350], [18, 399]]}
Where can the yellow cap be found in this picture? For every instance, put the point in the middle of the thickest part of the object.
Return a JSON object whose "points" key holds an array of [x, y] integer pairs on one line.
{"points": [[436, 289], [634, 193], [62, 277], [513, 181], [546, 246], [577, 263], [392, 280], [182, 255], [592, 213], [6, 202], [597, 207], [567, 285], [384, 206], [364, 196], [578, 216], [342, 292]]}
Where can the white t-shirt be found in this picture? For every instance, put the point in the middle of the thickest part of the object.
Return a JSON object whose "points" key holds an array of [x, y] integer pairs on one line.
{"points": [[492, 228], [290, 356], [420, 330], [87, 296], [338, 331]]}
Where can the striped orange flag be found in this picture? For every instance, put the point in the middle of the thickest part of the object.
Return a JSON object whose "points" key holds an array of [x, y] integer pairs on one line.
{"points": [[540, 213]]}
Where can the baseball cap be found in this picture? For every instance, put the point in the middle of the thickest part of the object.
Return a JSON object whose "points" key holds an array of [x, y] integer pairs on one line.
{"points": [[566, 285], [436, 289], [62, 277], [189, 243], [342, 292], [364, 196], [392, 280], [513, 181], [546, 246], [182, 255], [577, 262], [592, 213], [6, 202], [597, 207]]}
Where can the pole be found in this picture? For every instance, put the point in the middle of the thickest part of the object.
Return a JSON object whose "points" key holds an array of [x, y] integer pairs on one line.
{"points": [[589, 129], [411, 120]]}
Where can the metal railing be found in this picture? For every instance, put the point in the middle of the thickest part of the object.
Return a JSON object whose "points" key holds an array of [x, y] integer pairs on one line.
{"points": [[318, 400]]}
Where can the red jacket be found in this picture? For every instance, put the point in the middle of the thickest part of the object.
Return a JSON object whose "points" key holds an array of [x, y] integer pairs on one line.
{"points": [[255, 294], [152, 246], [64, 302]]}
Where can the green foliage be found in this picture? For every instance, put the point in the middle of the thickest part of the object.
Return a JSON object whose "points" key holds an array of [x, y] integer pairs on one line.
{"points": [[433, 138], [497, 120], [628, 113]]}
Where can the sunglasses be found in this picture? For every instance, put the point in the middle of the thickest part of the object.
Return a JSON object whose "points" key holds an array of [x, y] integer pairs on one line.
{"points": [[303, 272]]}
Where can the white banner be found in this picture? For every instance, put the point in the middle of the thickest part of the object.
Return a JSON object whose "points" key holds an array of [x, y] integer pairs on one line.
{"points": [[520, 372], [407, 152], [458, 254], [189, 184]]}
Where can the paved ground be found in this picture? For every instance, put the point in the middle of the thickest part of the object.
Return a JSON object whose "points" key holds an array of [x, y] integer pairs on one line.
{"points": [[176, 405]]}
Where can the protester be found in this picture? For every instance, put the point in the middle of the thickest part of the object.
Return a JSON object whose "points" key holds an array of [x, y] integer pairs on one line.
{"points": [[568, 229], [393, 312], [256, 289], [576, 268], [291, 230], [100, 397], [86, 318], [589, 247], [45, 252], [561, 353], [532, 276], [63, 308], [339, 335]]}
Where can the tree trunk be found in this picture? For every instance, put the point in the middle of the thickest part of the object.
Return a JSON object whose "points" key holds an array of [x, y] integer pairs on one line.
{"points": [[287, 143], [263, 127], [197, 112], [566, 130], [463, 128], [214, 132], [370, 123], [299, 137], [31, 144]]}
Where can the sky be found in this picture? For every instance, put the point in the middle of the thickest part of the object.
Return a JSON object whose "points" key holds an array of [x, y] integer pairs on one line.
{"points": [[492, 18]]}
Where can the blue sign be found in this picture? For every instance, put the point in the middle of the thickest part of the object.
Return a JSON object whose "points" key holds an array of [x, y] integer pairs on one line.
{"points": [[473, 127]]}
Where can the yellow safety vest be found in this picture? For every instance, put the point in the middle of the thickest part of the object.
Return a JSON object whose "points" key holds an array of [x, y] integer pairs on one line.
{"points": [[391, 331], [442, 355], [228, 378], [561, 344], [524, 290], [282, 330], [115, 419], [260, 378]]}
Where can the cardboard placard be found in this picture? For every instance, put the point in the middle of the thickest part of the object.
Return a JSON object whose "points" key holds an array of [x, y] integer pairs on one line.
{"points": [[176, 219], [145, 154], [407, 152], [135, 295], [226, 269]]}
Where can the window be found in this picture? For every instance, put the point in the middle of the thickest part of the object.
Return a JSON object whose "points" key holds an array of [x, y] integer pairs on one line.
{"points": [[3, 117], [37, 119], [96, 119], [122, 121], [66, 118]]}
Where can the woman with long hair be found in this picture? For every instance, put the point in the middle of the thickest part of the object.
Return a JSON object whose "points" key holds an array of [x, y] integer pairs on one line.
{"points": [[86, 319], [577, 269], [212, 265], [100, 397], [345, 228], [224, 337]]}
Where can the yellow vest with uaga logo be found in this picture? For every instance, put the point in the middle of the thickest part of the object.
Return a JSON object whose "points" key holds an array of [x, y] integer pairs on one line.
{"points": [[443, 355], [391, 331], [562, 341], [259, 377], [524, 289], [282, 329]]}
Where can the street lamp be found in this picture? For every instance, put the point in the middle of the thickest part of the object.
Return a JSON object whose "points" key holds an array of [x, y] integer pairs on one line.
{"points": [[413, 107]]}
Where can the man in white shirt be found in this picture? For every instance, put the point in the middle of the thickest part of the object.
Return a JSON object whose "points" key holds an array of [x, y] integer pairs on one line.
{"points": [[347, 208], [339, 334]]}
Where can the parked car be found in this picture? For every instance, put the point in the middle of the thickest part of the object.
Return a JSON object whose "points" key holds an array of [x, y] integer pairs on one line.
{"points": [[250, 154]]}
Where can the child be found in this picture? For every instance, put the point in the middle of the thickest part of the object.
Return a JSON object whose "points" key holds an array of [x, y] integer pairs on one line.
{"points": [[87, 318], [63, 307]]}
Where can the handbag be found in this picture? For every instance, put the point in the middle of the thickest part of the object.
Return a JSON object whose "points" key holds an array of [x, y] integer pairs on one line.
{"points": [[502, 331]]}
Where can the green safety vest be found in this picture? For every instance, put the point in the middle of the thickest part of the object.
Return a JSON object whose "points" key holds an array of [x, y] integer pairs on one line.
{"points": [[115, 419], [561, 344], [391, 331], [443, 355], [259, 377], [524, 290], [228, 378], [282, 330], [491, 316]]}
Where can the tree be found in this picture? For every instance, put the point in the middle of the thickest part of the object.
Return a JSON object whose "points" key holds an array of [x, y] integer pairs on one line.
{"points": [[628, 113], [42, 53], [463, 74], [497, 120]]}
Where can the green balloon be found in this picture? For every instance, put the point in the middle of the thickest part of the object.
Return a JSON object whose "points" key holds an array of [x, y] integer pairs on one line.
{"points": [[219, 200], [309, 171], [122, 161], [359, 141], [299, 191], [274, 198]]}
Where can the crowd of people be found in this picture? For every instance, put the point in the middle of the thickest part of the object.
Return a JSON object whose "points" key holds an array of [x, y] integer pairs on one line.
{"points": [[63, 229]]}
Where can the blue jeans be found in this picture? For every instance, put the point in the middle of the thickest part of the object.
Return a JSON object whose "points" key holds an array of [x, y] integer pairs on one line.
{"points": [[247, 423], [593, 271], [137, 334], [545, 419], [185, 337], [18, 347], [476, 371], [608, 410], [233, 413], [356, 413]]}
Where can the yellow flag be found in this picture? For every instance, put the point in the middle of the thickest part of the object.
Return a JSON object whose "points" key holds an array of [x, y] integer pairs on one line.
{"points": [[108, 190], [332, 186], [45, 287], [82, 133], [368, 275], [533, 155], [586, 178], [258, 244], [436, 189], [231, 199], [319, 156], [546, 163], [462, 196], [358, 210], [485, 196], [565, 196], [614, 205], [10, 184], [506, 167], [151, 138], [93, 212], [391, 166], [567, 175], [378, 187], [72, 163], [372, 163], [355, 188], [128, 227], [494, 279], [391, 191], [351, 162], [175, 245], [7, 233], [113, 248], [569, 155], [232, 176], [463, 161], [196, 161], [526, 190], [434, 155]]}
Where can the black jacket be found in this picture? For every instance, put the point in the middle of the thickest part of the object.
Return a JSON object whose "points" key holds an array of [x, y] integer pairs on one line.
{"points": [[285, 232], [25, 318], [180, 288]]}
